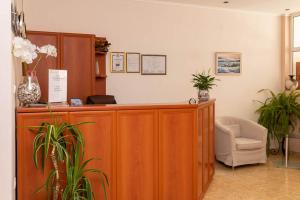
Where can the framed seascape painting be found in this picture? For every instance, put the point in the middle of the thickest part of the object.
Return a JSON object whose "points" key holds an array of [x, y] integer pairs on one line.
{"points": [[228, 63]]}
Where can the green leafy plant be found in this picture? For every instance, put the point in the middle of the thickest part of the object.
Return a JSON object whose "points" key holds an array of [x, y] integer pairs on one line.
{"points": [[56, 141], [78, 186], [203, 80], [278, 113]]}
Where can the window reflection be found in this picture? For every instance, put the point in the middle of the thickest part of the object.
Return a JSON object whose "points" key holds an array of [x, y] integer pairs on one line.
{"points": [[296, 31]]}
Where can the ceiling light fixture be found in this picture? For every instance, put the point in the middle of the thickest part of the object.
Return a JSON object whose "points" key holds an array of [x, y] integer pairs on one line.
{"points": [[287, 9], [226, 2]]}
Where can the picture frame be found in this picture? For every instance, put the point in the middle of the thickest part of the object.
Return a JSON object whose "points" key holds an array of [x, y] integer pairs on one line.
{"points": [[153, 64], [117, 62], [76, 102], [133, 62], [228, 63]]}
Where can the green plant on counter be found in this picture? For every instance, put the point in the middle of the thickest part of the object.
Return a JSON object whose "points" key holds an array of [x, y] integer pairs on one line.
{"points": [[278, 113], [203, 80], [64, 142]]}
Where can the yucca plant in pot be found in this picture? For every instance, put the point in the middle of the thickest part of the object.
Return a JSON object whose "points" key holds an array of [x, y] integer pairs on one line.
{"points": [[203, 82], [78, 186], [278, 113], [56, 141]]}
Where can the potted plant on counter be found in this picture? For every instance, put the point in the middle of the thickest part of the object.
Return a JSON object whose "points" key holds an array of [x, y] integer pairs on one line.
{"points": [[203, 82]]}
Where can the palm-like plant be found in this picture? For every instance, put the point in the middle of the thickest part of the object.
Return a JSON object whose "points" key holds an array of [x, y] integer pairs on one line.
{"points": [[203, 80], [278, 113], [54, 138], [78, 186]]}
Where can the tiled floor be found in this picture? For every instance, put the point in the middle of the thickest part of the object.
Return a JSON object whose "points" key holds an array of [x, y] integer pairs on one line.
{"points": [[256, 182]]}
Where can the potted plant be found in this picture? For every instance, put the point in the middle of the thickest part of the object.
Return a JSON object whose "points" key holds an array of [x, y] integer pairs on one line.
{"points": [[278, 113], [63, 144], [29, 90], [203, 82], [78, 185]]}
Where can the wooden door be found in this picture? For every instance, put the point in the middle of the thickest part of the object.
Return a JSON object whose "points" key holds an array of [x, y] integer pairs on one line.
{"points": [[78, 57], [99, 143], [43, 38], [29, 178], [177, 154], [136, 155], [211, 142], [205, 149], [200, 165]]}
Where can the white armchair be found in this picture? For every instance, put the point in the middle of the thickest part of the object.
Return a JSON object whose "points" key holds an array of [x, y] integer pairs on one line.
{"points": [[240, 141]]}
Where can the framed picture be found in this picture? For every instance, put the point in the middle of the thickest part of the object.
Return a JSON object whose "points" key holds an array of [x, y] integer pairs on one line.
{"points": [[117, 62], [133, 61], [76, 102], [154, 64], [228, 63]]}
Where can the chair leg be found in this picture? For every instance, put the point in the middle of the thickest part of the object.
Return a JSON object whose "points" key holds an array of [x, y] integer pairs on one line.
{"points": [[232, 168]]}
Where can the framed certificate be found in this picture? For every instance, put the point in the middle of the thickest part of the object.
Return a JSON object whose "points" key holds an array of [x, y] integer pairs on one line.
{"points": [[117, 62], [57, 87], [133, 62], [154, 64]]}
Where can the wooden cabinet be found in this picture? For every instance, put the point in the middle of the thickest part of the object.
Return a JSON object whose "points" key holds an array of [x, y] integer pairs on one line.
{"points": [[136, 163], [177, 154], [29, 177], [207, 119], [211, 142], [76, 53], [200, 163], [98, 138], [205, 148], [153, 152], [78, 58]]}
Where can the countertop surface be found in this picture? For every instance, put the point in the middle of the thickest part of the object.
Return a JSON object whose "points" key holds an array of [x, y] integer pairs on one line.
{"points": [[107, 107]]}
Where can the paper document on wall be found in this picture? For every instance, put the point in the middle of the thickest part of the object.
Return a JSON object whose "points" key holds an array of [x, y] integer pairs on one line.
{"points": [[57, 86]]}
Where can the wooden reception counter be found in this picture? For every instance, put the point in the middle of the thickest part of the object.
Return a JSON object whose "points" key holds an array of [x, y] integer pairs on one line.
{"points": [[150, 152]]}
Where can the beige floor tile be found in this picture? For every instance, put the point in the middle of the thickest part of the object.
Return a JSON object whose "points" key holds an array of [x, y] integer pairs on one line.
{"points": [[256, 182]]}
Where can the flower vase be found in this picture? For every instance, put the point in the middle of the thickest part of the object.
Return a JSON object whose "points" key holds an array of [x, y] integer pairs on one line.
{"points": [[203, 95], [29, 90]]}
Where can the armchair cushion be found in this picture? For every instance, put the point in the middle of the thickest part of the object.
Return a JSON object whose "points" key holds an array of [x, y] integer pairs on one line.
{"points": [[235, 129], [248, 144]]}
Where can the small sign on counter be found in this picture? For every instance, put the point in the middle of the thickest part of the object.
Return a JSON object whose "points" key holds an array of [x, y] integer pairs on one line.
{"points": [[57, 86]]}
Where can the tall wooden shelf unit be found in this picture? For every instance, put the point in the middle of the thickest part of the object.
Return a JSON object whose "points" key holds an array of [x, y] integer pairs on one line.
{"points": [[100, 61], [75, 53]]}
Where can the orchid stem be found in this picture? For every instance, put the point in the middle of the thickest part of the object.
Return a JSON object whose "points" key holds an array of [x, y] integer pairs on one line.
{"points": [[36, 64]]}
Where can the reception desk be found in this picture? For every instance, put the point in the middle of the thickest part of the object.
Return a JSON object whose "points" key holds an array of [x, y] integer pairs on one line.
{"points": [[150, 152]]}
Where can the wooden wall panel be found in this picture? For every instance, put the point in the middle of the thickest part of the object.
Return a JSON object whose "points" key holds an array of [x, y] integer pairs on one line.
{"points": [[177, 166], [99, 140], [205, 147], [211, 142], [78, 57], [136, 155], [28, 176], [200, 165], [42, 38]]}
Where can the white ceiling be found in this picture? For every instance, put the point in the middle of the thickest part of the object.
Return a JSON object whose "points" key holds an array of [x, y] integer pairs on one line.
{"points": [[267, 6]]}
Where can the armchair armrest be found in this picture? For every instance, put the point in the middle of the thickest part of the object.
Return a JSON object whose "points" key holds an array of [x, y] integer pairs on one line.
{"points": [[224, 140]]}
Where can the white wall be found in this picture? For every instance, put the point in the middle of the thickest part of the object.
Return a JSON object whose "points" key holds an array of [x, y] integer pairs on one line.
{"points": [[7, 123], [189, 35]]}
